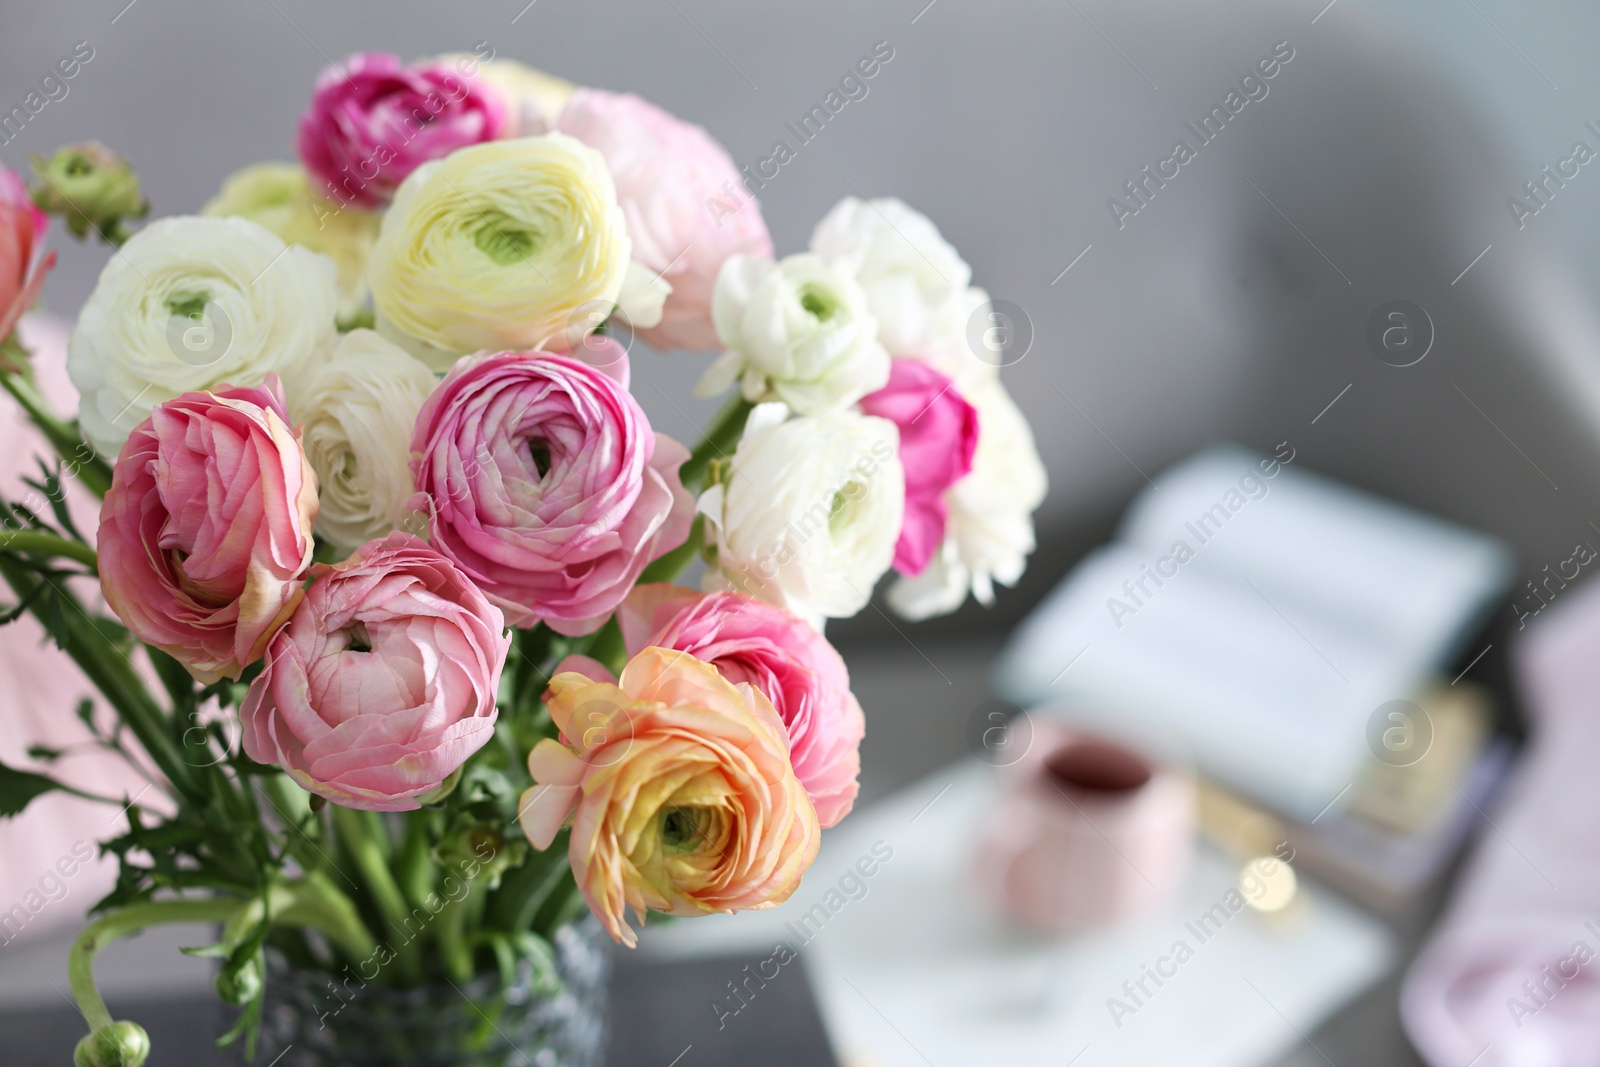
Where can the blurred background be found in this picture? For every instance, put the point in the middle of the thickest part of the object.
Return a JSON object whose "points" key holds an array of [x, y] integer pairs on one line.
{"points": [[1388, 160]]}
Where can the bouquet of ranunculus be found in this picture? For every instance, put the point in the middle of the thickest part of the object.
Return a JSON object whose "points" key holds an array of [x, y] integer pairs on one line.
{"points": [[380, 599]]}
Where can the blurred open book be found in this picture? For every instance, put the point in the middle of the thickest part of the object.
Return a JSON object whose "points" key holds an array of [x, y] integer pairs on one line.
{"points": [[1259, 618]]}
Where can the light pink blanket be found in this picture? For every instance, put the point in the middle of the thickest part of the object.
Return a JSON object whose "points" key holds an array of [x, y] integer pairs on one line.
{"points": [[1512, 977], [44, 882]]}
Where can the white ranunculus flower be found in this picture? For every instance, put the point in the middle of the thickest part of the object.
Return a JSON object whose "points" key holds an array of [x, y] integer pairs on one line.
{"points": [[990, 530], [357, 407], [808, 512], [533, 98], [515, 244], [189, 303], [795, 331], [909, 272]]}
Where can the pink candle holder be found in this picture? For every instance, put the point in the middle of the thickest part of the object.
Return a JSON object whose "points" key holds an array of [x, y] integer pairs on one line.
{"points": [[1087, 833]]}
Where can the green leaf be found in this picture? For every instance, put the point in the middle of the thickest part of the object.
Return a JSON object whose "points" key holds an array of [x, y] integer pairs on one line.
{"points": [[18, 788]]}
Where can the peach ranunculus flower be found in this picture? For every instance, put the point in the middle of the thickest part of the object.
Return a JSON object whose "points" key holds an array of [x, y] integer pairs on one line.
{"points": [[205, 533], [681, 791]]}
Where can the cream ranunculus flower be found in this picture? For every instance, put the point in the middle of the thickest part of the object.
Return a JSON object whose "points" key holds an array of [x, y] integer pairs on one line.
{"points": [[533, 98], [278, 196], [910, 273], [190, 303], [989, 533], [808, 512], [357, 408], [796, 331], [502, 245]]}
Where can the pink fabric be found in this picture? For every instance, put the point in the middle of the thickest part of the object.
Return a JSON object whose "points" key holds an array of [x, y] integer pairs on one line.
{"points": [[43, 687], [1512, 976]]}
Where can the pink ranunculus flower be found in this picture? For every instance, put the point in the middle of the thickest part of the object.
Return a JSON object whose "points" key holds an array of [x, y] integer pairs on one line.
{"points": [[23, 259], [938, 437], [374, 120], [545, 483], [384, 680], [205, 533], [785, 658], [681, 194]]}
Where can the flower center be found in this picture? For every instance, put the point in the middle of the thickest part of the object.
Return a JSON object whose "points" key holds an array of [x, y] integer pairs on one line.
{"points": [[818, 302], [187, 305], [539, 452], [680, 829], [840, 510], [357, 638], [499, 238]]}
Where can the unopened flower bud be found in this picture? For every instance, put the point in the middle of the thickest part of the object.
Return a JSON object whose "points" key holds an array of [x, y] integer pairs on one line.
{"points": [[243, 984], [89, 185], [122, 1044]]}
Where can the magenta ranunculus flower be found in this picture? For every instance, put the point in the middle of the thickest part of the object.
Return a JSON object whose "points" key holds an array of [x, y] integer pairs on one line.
{"points": [[384, 680], [546, 484], [938, 436], [681, 194], [374, 120], [786, 659], [205, 533]]}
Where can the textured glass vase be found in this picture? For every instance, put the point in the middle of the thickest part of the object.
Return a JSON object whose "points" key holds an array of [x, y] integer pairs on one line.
{"points": [[481, 1023]]}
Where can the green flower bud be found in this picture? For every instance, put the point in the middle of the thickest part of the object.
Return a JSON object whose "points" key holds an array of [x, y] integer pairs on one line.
{"points": [[122, 1044], [89, 185], [242, 984]]}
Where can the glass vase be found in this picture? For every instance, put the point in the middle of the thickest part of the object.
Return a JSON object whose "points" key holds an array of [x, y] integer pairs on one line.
{"points": [[310, 1019]]}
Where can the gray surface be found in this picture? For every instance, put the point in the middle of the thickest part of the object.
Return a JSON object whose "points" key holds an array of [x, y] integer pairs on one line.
{"points": [[1232, 307]]}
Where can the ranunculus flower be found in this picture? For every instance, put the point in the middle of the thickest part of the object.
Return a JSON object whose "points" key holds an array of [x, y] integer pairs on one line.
{"points": [[807, 514], [990, 529], [938, 435], [788, 661], [796, 331], [909, 272], [190, 303], [546, 484], [205, 533], [23, 259], [680, 789], [509, 245], [280, 197], [384, 680], [374, 120], [532, 98], [357, 407], [686, 210]]}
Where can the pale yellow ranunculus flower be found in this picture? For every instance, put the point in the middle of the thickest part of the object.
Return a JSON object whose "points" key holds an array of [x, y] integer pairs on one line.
{"points": [[278, 196], [504, 245]]}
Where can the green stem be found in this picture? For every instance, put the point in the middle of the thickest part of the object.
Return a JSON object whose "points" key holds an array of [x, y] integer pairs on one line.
{"points": [[667, 567], [452, 937], [718, 442], [48, 544], [112, 673], [414, 868], [121, 923], [319, 904], [368, 855], [82, 460]]}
